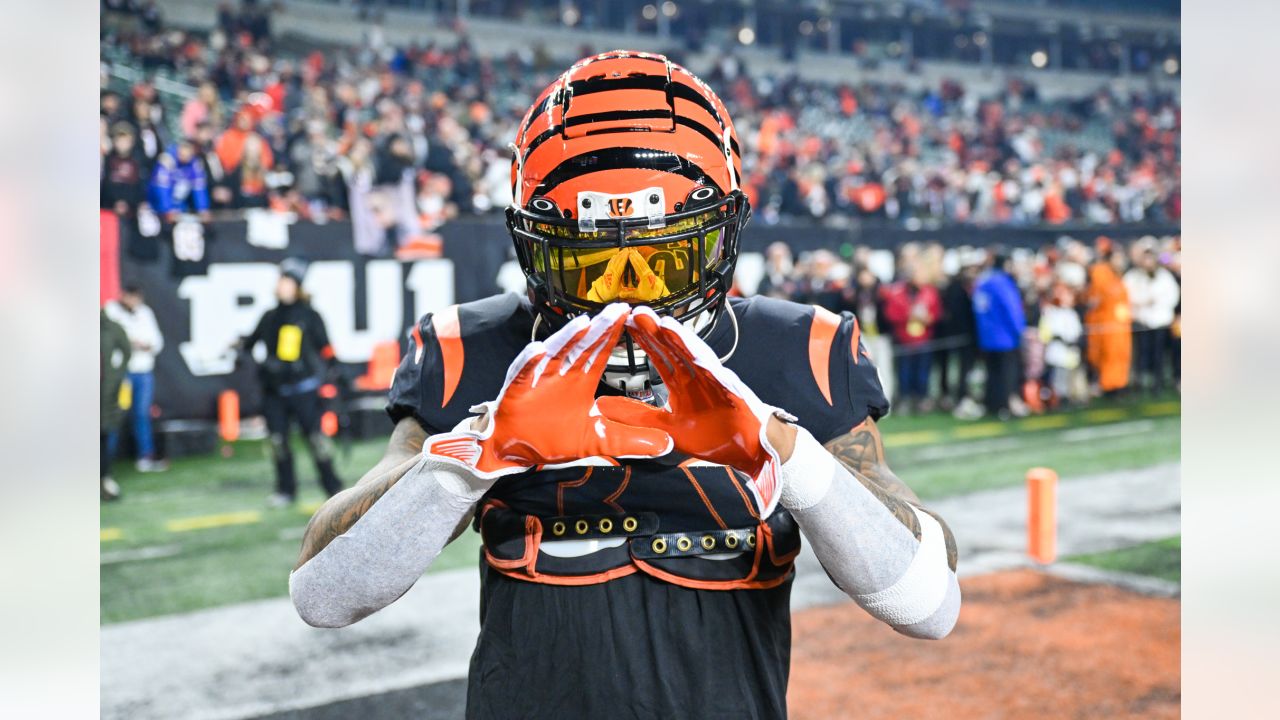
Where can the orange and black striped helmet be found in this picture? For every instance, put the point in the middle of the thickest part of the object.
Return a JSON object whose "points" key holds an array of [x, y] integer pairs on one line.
{"points": [[625, 179]]}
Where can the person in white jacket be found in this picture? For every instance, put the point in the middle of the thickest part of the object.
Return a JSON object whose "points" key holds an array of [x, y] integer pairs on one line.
{"points": [[146, 340], [1153, 297]]}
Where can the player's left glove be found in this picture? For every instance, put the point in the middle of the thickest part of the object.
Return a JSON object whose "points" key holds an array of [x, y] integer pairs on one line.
{"points": [[711, 414], [546, 413]]}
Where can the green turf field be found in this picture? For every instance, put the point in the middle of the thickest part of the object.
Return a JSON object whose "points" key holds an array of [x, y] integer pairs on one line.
{"points": [[1161, 559], [200, 535]]}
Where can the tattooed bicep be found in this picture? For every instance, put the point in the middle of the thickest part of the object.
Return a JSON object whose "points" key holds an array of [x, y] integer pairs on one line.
{"points": [[861, 451]]}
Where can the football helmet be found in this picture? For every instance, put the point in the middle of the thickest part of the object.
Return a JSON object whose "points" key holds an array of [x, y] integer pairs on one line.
{"points": [[625, 182]]}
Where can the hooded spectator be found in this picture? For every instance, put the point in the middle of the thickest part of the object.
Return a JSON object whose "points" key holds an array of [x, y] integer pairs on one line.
{"points": [[1108, 322], [1000, 320]]}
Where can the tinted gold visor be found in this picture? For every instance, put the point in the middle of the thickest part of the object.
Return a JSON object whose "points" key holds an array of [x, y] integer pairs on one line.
{"points": [[642, 272]]}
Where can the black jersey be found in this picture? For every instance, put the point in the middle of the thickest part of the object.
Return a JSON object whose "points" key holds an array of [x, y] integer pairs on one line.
{"points": [[683, 611], [296, 342]]}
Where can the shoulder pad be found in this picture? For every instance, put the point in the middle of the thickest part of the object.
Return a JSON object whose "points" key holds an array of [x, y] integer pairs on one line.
{"points": [[456, 358]]}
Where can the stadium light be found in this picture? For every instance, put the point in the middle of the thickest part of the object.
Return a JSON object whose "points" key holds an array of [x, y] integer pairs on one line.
{"points": [[1039, 58], [669, 9], [649, 12], [746, 36]]}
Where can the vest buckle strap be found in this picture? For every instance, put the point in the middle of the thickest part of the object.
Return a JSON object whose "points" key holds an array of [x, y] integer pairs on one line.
{"points": [[585, 527], [693, 544]]}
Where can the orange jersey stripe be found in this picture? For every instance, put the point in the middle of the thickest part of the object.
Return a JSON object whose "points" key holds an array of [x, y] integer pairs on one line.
{"points": [[853, 343], [449, 334], [822, 334]]}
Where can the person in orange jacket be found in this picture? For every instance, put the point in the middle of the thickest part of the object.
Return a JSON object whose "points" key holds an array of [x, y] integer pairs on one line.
{"points": [[1108, 321]]}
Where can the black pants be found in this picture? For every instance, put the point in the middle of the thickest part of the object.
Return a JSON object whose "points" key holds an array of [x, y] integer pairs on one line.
{"points": [[967, 355], [1002, 369], [304, 408], [104, 454], [1152, 356]]}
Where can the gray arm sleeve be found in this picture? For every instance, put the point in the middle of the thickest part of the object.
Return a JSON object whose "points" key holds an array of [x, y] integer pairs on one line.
{"points": [[869, 553], [385, 552]]}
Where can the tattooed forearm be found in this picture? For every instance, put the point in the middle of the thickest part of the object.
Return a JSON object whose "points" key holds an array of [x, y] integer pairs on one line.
{"points": [[342, 511], [861, 451]]}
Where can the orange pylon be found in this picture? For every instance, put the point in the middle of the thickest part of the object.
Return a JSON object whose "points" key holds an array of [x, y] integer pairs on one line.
{"points": [[229, 415], [1042, 515]]}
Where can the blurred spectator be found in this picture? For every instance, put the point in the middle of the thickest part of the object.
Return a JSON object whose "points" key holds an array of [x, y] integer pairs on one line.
{"points": [[113, 360], [1107, 320], [178, 184], [205, 107], [1061, 331], [1000, 320], [220, 193], [778, 267], [912, 308], [958, 330], [245, 158], [123, 173], [146, 341], [824, 281], [1154, 296], [147, 127]]}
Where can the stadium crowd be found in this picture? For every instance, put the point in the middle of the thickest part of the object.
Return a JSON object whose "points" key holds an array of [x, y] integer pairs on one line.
{"points": [[1042, 329], [403, 138], [400, 139]]}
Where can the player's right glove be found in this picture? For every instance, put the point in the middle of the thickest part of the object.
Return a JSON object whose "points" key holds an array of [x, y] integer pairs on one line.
{"points": [[711, 413], [546, 411]]}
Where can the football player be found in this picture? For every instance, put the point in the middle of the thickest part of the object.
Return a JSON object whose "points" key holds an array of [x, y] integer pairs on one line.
{"points": [[640, 452]]}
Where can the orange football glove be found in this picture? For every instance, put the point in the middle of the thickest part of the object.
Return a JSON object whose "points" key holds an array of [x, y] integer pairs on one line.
{"points": [[546, 411], [711, 414]]}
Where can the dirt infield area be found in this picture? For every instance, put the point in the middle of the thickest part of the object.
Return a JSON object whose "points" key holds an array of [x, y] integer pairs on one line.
{"points": [[1028, 645]]}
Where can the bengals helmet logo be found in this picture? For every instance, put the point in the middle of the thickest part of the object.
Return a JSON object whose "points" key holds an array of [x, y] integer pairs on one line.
{"points": [[620, 207]]}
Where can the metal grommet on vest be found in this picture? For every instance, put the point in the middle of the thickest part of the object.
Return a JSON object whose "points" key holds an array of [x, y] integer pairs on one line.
{"points": [[581, 527], [659, 545], [683, 543], [558, 528], [731, 540], [708, 542], [751, 540], [630, 524], [605, 525]]}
